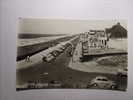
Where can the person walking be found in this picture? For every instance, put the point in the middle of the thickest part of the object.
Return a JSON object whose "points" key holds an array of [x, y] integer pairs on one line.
{"points": [[27, 59]]}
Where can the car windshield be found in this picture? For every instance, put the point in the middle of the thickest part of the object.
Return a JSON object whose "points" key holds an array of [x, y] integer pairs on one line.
{"points": [[101, 79], [104, 80]]}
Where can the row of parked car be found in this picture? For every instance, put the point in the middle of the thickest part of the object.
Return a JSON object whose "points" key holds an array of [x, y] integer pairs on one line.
{"points": [[51, 53], [37, 85]]}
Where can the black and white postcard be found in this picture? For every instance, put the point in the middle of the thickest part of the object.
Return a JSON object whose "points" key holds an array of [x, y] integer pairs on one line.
{"points": [[72, 54]]}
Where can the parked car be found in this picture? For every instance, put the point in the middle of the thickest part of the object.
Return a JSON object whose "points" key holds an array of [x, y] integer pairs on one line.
{"points": [[41, 85], [48, 58], [102, 82], [55, 84], [31, 85], [59, 49], [122, 72], [62, 47], [55, 53]]}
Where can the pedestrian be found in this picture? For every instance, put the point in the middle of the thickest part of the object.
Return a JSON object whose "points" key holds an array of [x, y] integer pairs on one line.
{"points": [[27, 59]]}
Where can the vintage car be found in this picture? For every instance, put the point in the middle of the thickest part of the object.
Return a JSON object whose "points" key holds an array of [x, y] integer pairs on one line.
{"points": [[102, 82], [55, 84], [48, 58]]}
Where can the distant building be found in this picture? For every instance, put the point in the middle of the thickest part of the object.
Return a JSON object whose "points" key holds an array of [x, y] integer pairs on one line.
{"points": [[97, 38], [117, 31]]}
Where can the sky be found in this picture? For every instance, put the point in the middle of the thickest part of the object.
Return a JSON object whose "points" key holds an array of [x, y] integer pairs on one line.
{"points": [[64, 26]]}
